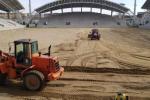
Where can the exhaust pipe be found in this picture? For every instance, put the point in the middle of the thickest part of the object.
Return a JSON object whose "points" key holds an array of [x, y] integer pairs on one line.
{"points": [[49, 50]]}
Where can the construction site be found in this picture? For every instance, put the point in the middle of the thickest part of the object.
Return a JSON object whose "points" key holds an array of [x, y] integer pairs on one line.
{"points": [[81, 67]]}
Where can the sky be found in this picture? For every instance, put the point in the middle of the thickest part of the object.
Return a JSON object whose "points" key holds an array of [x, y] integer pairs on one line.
{"points": [[37, 3]]}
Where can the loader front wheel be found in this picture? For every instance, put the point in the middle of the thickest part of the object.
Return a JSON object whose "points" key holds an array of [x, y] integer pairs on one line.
{"points": [[2, 79], [33, 81]]}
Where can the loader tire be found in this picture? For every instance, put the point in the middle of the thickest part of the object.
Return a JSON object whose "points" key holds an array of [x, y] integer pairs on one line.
{"points": [[3, 78], [33, 80]]}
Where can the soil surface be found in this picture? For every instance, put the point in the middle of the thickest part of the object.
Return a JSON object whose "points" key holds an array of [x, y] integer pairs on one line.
{"points": [[94, 70]]}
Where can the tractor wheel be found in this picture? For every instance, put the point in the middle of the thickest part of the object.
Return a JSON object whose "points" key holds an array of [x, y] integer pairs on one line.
{"points": [[2, 79], [34, 80]]}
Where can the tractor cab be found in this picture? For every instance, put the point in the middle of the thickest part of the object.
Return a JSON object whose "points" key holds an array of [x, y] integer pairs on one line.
{"points": [[24, 49], [94, 34]]}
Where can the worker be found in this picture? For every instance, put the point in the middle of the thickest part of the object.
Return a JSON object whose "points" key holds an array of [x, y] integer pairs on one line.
{"points": [[121, 96]]}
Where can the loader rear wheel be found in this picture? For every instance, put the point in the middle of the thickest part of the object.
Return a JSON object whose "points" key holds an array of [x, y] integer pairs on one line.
{"points": [[2, 79], [34, 81]]}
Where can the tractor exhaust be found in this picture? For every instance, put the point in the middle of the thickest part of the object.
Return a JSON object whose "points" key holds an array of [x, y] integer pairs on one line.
{"points": [[49, 50]]}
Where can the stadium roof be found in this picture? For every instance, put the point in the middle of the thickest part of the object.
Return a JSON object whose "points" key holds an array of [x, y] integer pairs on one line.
{"points": [[10, 5], [104, 4], [146, 5]]}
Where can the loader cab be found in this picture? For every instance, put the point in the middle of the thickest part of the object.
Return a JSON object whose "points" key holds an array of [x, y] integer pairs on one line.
{"points": [[24, 49]]}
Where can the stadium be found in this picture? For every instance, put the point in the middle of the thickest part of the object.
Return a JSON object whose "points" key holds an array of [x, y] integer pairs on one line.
{"points": [[79, 19], [61, 33]]}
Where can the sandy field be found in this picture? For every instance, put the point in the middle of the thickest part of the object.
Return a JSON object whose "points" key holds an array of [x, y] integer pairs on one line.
{"points": [[94, 70]]}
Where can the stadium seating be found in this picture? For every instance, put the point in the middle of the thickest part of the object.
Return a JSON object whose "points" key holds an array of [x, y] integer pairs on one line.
{"points": [[78, 19], [6, 24]]}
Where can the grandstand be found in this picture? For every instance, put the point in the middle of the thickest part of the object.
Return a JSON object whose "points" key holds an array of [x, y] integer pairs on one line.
{"points": [[80, 19], [9, 6], [145, 20]]}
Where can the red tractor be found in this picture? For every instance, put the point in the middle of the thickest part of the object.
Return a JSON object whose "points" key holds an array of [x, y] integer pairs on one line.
{"points": [[94, 35], [29, 65]]}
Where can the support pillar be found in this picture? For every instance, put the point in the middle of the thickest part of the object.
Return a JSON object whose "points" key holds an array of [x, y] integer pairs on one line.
{"points": [[81, 9], [123, 16], [51, 12], [72, 9], [111, 13], [40, 15], [15, 14], [91, 10], [8, 15], [62, 11], [101, 11]]}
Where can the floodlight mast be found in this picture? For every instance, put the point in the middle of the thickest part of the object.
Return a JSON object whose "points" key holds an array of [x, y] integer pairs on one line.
{"points": [[30, 12], [135, 4]]}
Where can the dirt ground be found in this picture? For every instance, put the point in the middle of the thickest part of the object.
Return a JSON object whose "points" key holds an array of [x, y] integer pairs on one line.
{"points": [[94, 70]]}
